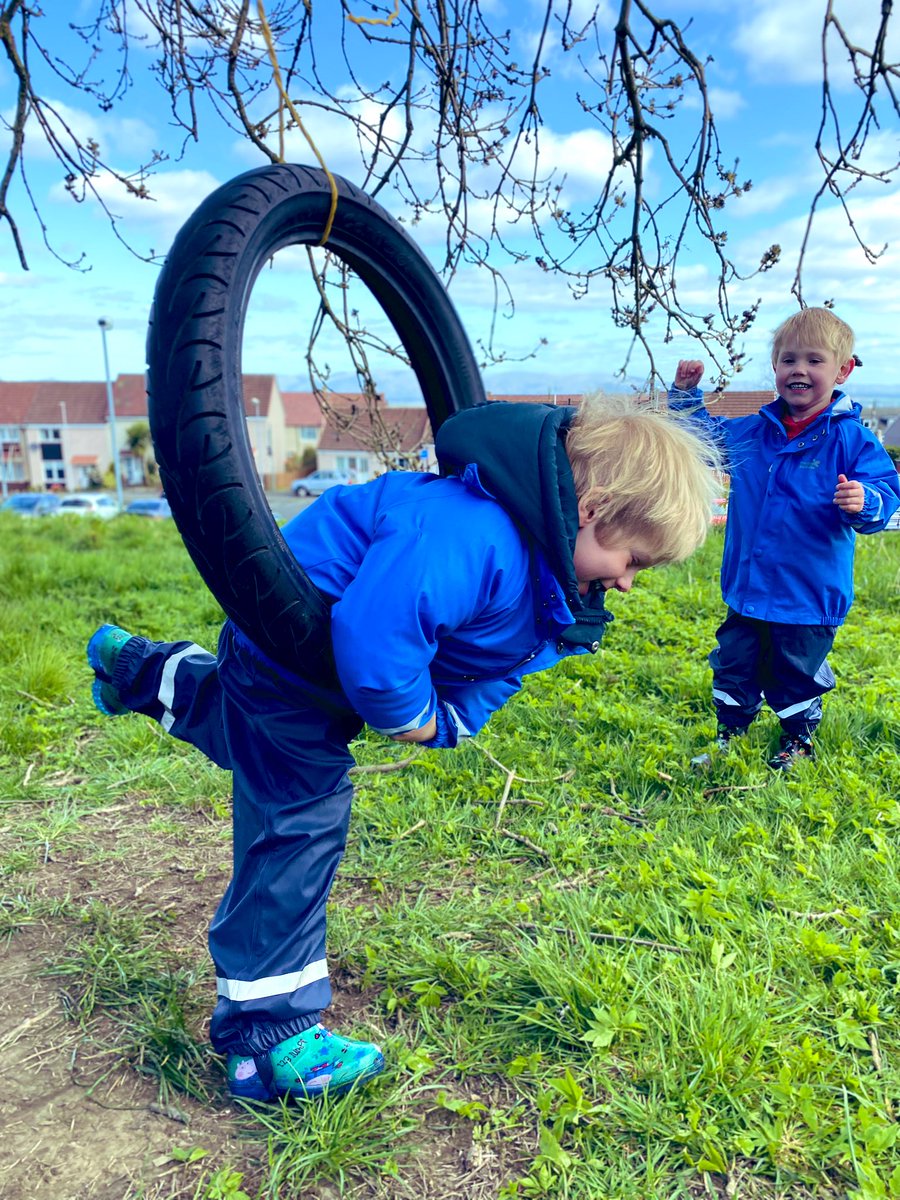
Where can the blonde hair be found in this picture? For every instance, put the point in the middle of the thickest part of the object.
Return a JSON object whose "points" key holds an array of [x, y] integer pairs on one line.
{"points": [[814, 327], [644, 473]]}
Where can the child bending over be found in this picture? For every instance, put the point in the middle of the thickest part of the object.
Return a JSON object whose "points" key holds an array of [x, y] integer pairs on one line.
{"points": [[444, 592]]}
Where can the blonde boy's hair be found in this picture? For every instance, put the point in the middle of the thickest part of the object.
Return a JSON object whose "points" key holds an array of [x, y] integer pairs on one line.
{"points": [[644, 473], [814, 327]]}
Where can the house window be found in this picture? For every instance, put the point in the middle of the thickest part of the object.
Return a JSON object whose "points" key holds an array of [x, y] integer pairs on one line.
{"points": [[54, 474], [12, 472], [9, 433], [51, 451], [309, 433], [50, 435]]}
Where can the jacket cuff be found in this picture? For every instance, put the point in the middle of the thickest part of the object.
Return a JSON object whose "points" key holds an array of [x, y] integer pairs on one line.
{"points": [[446, 735], [694, 393]]}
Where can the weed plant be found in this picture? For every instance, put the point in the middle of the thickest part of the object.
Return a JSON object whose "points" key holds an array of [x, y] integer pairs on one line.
{"points": [[619, 978]]}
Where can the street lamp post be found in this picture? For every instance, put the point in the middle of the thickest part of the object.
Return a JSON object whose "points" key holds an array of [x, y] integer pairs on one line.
{"points": [[63, 412], [104, 325], [257, 453]]}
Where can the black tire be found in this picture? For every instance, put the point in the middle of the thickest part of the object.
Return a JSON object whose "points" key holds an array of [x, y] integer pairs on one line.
{"points": [[195, 395]]}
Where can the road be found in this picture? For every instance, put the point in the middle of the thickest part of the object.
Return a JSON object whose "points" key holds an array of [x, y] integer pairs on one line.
{"points": [[282, 504]]}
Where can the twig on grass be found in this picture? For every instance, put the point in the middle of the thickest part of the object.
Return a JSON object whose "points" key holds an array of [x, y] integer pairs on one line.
{"points": [[810, 916], [13, 1036], [383, 768], [563, 778], [38, 700], [605, 811], [877, 1062], [507, 787], [611, 937], [168, 1110], [407, 832], [28, 774], [734, 787], [524, 841], [511, 776]]}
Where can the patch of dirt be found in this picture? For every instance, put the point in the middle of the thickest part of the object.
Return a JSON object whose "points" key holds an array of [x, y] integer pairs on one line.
{"points": [[80, 1122], [68, 1132]]}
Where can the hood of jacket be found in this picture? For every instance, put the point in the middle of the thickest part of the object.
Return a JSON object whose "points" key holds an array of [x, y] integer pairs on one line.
{"points": [[519, 453], [839, 406]]}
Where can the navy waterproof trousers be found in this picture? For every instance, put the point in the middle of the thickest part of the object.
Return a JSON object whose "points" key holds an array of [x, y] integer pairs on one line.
{"points": [[286, 746], [786, 664]]}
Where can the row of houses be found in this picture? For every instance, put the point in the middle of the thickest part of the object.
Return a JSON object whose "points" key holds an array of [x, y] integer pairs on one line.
{"points": [[67, 436]]}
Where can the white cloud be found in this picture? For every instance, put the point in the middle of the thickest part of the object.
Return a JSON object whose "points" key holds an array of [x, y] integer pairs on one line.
{"points": [[114, 135], [725, 103], [175, 195], [769, 195], [783, 42]]}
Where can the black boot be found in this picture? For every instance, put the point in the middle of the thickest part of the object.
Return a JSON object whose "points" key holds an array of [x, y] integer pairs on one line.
{"points": [[793, 746], [724, 734]]}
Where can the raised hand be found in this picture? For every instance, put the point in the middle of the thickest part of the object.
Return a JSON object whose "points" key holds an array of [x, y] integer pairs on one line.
{"points": [[689, 374]]}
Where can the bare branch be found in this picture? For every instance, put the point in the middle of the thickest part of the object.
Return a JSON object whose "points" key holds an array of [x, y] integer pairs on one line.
{"points": [[454, 132]]}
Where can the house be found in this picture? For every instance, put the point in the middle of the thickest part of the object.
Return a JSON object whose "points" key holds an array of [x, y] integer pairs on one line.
{"points": [[732, 403], [58, 435], [891, 434], [882, 420], [540, 398], [303, 422], [55, 435], [366, 441]]}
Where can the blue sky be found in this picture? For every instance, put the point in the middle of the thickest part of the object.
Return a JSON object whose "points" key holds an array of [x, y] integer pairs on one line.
{"points": [[766, 96]]}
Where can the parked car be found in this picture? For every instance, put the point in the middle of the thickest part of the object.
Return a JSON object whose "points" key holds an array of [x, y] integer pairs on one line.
{"points": [[894, 521], [31, 504], [720, 511], [157, 508], [87, 504], [319, 482]]}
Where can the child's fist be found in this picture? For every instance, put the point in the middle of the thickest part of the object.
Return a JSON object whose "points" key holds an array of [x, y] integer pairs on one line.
{"points": [[849, 495], [688, 375]]}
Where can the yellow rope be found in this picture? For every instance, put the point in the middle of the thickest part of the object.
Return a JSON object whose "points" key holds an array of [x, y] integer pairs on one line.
{"points": [[284, 99], [377, 20]]}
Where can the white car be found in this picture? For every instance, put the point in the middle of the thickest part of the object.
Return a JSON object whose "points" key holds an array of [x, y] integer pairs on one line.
{"points": [[87, 504], [319, 482]]}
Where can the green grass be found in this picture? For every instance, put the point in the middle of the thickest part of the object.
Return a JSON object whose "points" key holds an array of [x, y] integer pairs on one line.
{"points": [[612, 976]]}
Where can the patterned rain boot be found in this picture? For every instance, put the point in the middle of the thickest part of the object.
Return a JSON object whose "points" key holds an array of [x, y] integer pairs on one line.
{"points": [[793, 746], [102, 654], [307, 1066]]}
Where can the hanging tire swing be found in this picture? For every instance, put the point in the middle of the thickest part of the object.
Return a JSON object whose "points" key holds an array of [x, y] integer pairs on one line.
{"points": [[195, 393]]}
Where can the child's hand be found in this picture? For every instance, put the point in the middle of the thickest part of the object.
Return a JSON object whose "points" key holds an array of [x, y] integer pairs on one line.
{"points": [[849, 495], [688, 375]]}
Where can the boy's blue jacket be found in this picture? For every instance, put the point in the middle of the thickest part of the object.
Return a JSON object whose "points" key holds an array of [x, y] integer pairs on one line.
{"points": [[788, 555], [450, 589]]}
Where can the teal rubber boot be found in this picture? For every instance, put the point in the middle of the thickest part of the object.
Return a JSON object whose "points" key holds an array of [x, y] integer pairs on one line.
{"points": [[102, 654], [309, 1065]]}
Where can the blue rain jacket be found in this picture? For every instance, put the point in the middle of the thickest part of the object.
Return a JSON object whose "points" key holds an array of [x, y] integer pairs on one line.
{"points": [[788, 555], [447, 591], [435, 591]]}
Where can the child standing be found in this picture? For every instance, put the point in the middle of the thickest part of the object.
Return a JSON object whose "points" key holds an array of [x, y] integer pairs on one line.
{"points": [[444, 593], [806, 477]]}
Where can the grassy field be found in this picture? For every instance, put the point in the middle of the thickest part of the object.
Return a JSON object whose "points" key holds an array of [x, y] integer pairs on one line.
{"points": [[596, 974]]}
